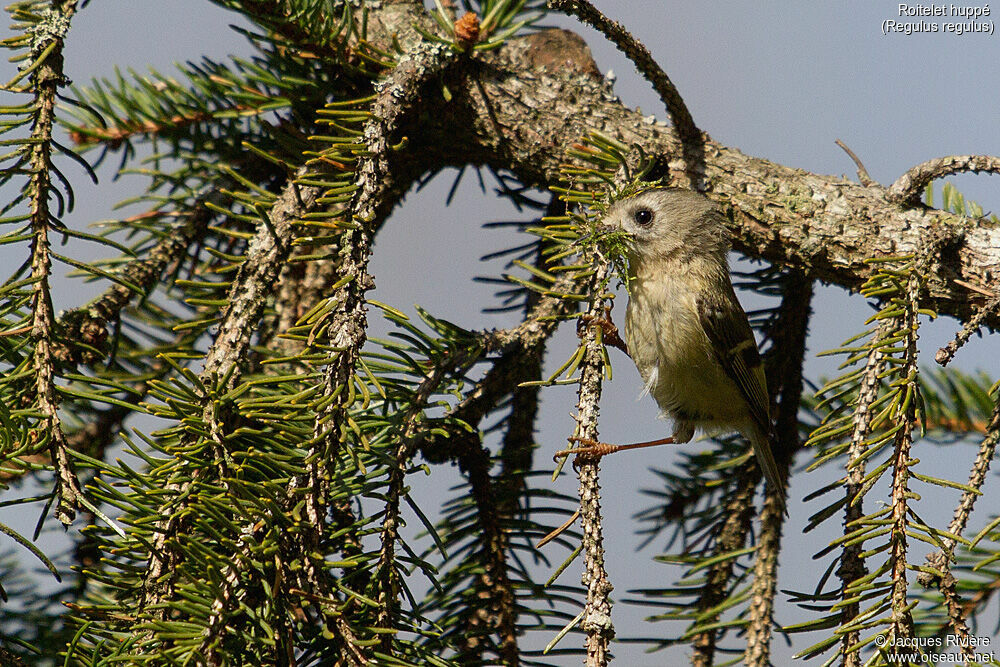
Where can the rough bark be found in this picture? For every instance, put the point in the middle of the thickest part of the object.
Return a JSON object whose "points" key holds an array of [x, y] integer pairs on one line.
{"points": [[523, 106]]}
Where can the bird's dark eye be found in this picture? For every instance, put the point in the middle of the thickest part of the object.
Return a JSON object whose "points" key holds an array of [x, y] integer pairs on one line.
{"points": [[643, 217]]}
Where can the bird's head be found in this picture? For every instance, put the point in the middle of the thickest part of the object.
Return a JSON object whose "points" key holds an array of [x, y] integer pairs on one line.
{"points": [[667, 223]]}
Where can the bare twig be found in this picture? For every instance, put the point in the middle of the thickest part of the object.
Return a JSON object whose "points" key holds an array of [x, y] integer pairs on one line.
{"points": [[863, 176], [910, 186]]}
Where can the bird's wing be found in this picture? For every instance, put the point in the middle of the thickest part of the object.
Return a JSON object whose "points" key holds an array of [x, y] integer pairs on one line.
{"points": [[727, 328]]}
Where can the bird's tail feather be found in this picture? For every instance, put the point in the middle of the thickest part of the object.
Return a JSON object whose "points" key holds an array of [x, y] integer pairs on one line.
{"points": [[762, 445]]}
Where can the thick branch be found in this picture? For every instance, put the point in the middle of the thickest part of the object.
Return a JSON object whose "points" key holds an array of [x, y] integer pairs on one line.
{"points": [[542, 93]]}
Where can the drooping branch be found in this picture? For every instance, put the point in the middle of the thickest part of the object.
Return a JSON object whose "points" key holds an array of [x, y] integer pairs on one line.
{"points": [[941, 560], [500, 612], [737, 516], [902, 619], [784, 366], [46, 79], [597, 622], [852, 566], [378, 190]]}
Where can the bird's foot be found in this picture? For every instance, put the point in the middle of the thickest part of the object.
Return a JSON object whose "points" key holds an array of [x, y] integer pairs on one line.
{"points": [[609, 332], [589, 449], [594, 449]]}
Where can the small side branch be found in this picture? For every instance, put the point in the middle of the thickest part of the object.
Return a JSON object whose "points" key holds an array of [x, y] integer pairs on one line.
{"points": [[863, 176], [941, 560], [908, 187], [947, 353], [691, 138]]}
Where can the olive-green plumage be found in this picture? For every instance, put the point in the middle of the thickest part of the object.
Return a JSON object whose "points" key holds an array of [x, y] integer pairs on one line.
{"points": [[684, 327]]}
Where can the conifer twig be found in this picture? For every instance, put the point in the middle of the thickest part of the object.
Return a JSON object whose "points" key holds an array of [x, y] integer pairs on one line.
{"points": [[852, 567], [46, 79], [731, 534], [144, 272], [399, 94], [947, 353], [902, 619], [941, 560], [597, 613], [500, 614]]}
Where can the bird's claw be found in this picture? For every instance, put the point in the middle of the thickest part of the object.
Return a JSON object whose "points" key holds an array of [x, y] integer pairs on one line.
{"points": [[589, 449], [609, 332]]}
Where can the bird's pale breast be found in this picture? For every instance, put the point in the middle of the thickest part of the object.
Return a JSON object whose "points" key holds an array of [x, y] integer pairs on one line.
{"points": [[675, 357]]}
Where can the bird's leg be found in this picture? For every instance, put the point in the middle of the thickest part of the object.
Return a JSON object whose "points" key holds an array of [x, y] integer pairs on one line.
{"points": [[609, 332], [594, 449]]}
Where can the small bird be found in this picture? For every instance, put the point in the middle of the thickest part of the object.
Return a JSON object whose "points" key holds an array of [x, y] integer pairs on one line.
{"points": [[684, 328]]}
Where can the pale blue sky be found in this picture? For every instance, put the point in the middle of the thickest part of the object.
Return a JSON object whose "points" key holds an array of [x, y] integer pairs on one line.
{"points": [[779, 80]]}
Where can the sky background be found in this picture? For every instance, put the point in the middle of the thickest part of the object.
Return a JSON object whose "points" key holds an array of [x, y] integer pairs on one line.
{"points": [[778, 80]]}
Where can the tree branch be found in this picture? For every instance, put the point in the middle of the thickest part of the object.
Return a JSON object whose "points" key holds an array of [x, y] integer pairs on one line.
{"points": [[902, 620], [852, 566], [824, 225], [737, 516], [46, 79], [691, 137], [941, 560], [910, 186], [597, 612], [947, 353]]}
